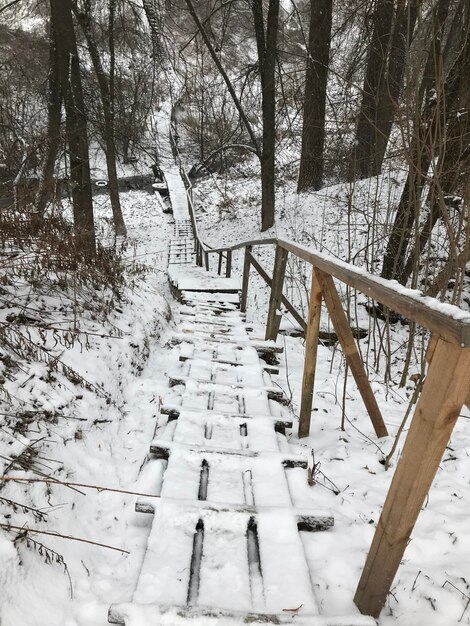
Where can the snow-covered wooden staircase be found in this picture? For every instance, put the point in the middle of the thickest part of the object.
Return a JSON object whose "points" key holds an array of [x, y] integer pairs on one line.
{"points": [[225, 546]]}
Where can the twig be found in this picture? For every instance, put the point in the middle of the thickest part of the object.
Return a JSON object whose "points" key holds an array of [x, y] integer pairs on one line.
{"points": [[53, 533], [52, 481], [414, 398]]}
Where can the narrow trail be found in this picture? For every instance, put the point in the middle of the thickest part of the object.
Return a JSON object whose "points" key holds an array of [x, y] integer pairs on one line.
{"points": [[225, 546]]}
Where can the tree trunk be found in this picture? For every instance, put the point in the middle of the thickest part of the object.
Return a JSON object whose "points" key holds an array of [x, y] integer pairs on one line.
{"points": [[266, 44], [405, 21], [423, 150], [54, 106], [366, 134], [313, 132], [76, 125], [107, 100]]}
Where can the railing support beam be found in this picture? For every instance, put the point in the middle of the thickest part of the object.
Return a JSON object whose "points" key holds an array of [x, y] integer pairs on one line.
{"points": [[310, 362], [279, 272], [245, 280], [444, 393], [228, 264], [351, 353]]}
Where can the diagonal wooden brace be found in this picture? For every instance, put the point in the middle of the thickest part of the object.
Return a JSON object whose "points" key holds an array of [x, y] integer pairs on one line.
{"points": [[351, 353]]}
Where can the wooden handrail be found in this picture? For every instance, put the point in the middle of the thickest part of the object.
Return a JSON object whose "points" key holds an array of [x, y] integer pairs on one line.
{"points": [[447, 320]]}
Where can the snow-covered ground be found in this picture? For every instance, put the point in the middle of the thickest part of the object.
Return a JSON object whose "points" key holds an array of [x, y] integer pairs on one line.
{"points": [[104, 443]]}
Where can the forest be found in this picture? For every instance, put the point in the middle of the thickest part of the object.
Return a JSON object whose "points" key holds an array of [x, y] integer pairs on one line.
{"points": [[337, 127]]}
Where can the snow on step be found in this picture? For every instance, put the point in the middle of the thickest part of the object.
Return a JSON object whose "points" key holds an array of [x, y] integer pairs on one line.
{"points": [[218, 387], [223, 431], [213, 341], [207, 371], [280, 423], [197, 279], [206, 396], [223, 560], [306, 519], [223, 352], [212, 301]]}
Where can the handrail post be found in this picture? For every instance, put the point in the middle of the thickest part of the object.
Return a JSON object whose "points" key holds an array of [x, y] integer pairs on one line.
{"points": [[246, 279], [228, 264], [444, 392], [206, 259], [219, 267], [311, 347], [279, 272], [199, 254]]}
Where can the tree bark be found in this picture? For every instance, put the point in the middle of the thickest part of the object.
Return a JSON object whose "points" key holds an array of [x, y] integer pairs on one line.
{"points": [[76, 124], [54, 106], [405, 20], [313, 132], [376, 67], [266, 44]]}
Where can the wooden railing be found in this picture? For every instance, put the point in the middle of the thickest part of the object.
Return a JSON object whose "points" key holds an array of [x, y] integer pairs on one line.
{"points": [[445, 390]]}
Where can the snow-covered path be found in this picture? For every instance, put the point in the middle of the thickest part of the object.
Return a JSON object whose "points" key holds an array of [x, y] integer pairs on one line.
{"points": [[231, 495]]}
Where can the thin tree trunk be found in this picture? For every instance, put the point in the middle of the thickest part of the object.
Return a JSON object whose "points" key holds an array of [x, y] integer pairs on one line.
{"points": [[405, 20], [367, 127], [76, 124], [421, 152], [313, 132], [54, 106], [107, 100], [453, 160], [266, 44]]}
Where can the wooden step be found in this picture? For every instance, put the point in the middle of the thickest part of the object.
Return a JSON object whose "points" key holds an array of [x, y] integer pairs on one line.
{"points": [[164, 615], [273, 393], [258, 345], [268, 368], [196, 555], [203, 370], [223, 431], [174, 411], [306, 519]]}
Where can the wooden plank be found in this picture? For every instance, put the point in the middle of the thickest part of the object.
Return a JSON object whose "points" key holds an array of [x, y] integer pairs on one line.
{"points": [[245, 280], [346, 339], [228, 264], [449, 324], [176, 615], [417, 308], [311, 346], [268, 280], [438, 408], [279, 272]]}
